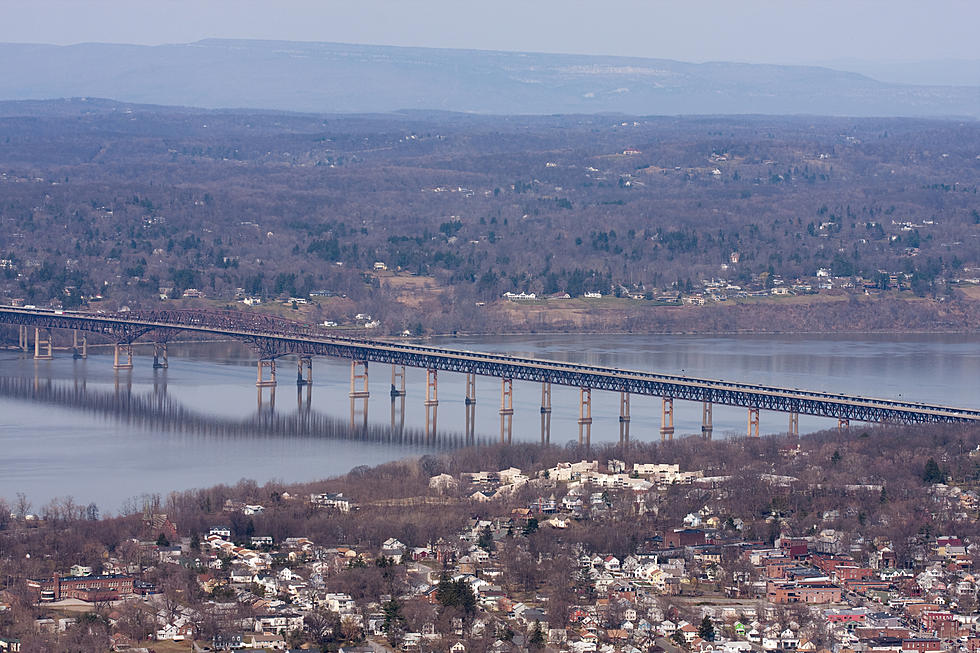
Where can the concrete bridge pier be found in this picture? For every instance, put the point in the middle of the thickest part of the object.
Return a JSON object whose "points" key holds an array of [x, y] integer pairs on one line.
{"points": [[304, 371], [506, 410], [42, 345], [470, 407], [546, 412], [75, 353], [843, 424], [667, 420], [359, 380], [624, 419], [161, 361], [262, 365], [794, 424], [397, 380], [585, 417], [23, 339], [431, 402], [753, 423], [122, 356], [706, 425], [471, 389]]}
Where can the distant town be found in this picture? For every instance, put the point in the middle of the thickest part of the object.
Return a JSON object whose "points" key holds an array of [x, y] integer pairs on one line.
{"points": [[858, 541]]}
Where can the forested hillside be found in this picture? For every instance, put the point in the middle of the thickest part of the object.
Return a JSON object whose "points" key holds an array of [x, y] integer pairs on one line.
{"points": [[113, 203]]}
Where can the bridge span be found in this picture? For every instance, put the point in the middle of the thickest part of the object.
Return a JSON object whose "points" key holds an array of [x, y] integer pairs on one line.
{"points": [[272, 337]]}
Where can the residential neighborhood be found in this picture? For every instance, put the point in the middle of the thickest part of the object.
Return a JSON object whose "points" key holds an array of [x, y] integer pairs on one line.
{"points": [[569, 554]]}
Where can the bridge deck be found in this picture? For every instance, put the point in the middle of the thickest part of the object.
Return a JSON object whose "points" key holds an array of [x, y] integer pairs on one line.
{"points": [[274, 337]]}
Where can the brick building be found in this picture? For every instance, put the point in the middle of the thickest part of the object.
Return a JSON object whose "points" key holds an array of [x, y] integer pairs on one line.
{"points": [[802, 593], [680, 537], [87, 588]]}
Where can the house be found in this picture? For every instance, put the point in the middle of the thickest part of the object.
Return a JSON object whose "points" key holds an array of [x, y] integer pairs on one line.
{"points": [[278, 622], [689, 632], [443, 483], [393, 549], [227, 642], [611, 564], [169, 554], [542, 505], [339, 602], [329, 500], [9, 645], [178, 630], [511, 475], [265, 641], [240, 573]]}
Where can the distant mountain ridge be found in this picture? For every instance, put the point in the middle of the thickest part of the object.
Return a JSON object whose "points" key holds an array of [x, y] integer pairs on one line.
{"points": [[341, 78]]}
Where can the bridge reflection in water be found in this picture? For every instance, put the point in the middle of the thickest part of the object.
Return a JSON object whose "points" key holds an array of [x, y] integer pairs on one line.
{"points": [[156, 409]]}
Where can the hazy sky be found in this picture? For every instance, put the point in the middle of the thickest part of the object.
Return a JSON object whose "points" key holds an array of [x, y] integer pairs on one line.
{"points": [[777, 31]]}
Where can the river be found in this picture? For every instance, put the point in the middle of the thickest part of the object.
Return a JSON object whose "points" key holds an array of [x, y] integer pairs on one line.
{"points": [[77, 428]]}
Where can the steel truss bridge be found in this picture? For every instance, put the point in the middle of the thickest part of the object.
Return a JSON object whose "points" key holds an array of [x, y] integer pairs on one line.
{"points": [[273, 337]]}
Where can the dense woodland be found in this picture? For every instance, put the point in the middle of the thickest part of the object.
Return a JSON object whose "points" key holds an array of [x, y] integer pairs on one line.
{"points": [[107, 201]]}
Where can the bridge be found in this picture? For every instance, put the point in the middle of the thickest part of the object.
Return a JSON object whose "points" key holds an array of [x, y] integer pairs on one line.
{"points": [[273, 337]]}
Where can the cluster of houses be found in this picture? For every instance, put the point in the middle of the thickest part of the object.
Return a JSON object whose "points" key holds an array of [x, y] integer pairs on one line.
{"points": [[699, 585], [721, 290]]}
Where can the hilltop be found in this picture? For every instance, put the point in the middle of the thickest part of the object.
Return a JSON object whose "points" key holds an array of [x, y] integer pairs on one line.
{"points": [[337, 77]]}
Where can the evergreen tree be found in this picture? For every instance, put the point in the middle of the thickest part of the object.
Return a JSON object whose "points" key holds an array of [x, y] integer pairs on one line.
{"points": [[456, 594], [932, 473], [706, 630], [485, 540], [536, 640], [394, 623]]}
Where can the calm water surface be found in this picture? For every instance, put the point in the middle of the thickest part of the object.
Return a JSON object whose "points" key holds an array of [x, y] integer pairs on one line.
{"points": [[77, 428]]}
